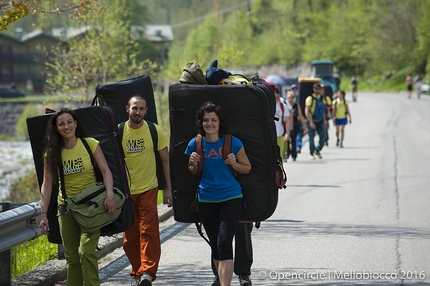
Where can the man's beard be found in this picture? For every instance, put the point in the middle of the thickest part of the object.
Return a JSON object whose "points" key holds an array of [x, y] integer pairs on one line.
{"points": [[137, 120]]}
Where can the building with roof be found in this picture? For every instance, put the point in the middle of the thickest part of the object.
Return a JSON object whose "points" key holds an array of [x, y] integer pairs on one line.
{"points": [[22, 60]]}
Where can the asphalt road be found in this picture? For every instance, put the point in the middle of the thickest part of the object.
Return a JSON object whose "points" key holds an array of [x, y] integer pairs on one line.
{"points": [[359, 216]]}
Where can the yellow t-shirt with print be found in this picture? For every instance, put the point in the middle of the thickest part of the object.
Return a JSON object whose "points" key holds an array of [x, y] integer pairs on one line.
{"points": [[77, 168], [140, 158], [340, 106]]}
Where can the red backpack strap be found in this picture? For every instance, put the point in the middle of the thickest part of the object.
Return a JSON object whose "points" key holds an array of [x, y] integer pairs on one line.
{"points": [[199, 150], [226, 149]]}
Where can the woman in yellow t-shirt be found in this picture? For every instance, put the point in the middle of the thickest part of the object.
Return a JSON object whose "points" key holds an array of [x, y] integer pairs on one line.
{"points": [[341, 111], [64, 147]]}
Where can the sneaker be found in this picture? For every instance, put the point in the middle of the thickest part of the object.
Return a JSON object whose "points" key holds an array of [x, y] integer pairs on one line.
{"points": [[216, 281], [299, 150], [318, 154], [341, 145], [326, 143], [337, 142], [244, 280], [146, 280], [135, 281], [294, 159], [312, 157]]}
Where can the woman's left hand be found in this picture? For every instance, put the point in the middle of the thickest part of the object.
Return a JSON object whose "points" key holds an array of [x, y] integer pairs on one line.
{"points": [[110, 204], [231, 159]]}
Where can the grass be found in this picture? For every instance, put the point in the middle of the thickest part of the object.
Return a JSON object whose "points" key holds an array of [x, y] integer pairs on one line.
{"points": [[33, 253]]}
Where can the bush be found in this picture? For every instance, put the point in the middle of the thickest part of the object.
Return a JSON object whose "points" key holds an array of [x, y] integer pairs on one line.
{"points": [[25, 189], [21, 124]]}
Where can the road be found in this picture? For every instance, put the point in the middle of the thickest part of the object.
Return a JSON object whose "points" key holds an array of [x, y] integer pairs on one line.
{"points": [[359, 216]]}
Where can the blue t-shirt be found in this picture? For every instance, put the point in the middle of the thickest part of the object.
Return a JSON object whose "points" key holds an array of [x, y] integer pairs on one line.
{"points": [[217, 183]]}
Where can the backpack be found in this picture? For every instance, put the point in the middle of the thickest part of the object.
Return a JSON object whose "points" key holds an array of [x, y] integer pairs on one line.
{"points": [[226, 149], [159, 164], [281, 175], [319, 111]]}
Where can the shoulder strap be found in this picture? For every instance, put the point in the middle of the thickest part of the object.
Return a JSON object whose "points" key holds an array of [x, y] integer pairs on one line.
{"points": [[96, 169], [121, 132], [61, 171], [226, 149], [199, 150], [154, 135]]}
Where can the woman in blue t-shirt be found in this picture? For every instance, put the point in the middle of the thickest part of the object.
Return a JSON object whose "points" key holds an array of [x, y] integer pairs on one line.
{"points": [[219, 193]]}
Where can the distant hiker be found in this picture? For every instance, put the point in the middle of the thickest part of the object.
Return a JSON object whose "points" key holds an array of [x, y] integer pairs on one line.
{"points": [[298, 122], [340, 111], [354, 86], [409, 85], [418, 83], [315, 116]]}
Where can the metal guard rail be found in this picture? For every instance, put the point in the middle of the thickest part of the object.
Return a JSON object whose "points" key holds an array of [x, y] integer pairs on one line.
{"points": [[19, 225]]}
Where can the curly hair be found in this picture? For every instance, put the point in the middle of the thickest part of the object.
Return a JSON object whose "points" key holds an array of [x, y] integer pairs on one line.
{"points": [[54, 143], [207, 107]]}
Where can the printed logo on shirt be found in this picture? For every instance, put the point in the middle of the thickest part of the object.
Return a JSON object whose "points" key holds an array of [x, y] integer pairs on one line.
{"points": [[73, 166], [213, 153], [135, 146]]}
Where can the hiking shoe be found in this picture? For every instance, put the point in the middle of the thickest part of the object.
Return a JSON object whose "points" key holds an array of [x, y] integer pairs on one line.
{"points": [[135, 281], [146, 280], [318, 154], [244, 280], [337, 142], [312, 157], [216, 281]]}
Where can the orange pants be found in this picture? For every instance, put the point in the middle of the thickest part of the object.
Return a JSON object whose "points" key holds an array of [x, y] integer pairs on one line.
{"points": [[142, 241]]}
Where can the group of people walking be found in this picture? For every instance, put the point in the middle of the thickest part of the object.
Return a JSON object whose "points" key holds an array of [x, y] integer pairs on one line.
{"points": [[319, 109], [418, 85], [219, 193]]}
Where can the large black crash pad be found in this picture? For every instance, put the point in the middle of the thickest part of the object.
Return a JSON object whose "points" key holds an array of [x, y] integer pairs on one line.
{"points": [[250, 110]]}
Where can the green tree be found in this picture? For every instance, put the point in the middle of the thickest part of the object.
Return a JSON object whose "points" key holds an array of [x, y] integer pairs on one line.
{"points": [[12, 11], [422, 52], [106, 52]]}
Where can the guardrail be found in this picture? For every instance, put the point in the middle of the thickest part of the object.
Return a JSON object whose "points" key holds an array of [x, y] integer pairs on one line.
{"points": [[17, 225]]}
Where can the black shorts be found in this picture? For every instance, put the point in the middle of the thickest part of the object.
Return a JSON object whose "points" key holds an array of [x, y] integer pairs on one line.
{"points": [[409, 87]]}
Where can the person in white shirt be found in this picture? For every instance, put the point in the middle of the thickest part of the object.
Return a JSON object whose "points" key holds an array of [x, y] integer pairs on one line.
{"points": [[283, 125]]}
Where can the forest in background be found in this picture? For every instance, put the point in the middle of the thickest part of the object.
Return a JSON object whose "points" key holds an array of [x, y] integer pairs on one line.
{"points": [[375, 39]]}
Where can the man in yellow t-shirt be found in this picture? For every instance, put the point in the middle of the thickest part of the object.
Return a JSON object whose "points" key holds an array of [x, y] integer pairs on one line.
{"points": [[142, 241], [315, 119]]}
